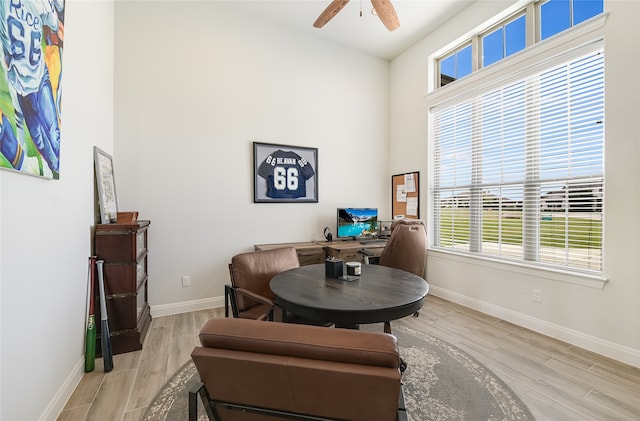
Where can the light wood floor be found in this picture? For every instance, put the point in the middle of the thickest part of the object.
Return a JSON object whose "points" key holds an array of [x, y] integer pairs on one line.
{"points": [[556, 380]]}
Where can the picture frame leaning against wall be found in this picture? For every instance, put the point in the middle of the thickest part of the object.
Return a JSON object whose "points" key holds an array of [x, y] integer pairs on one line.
{"points": [[106, 186]]}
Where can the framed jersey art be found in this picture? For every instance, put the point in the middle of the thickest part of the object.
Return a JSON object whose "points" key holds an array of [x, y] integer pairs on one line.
{"points": [[284, 174]]}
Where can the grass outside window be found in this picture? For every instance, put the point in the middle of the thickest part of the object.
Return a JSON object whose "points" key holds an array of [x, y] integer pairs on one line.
{"points": [[556, 230]]}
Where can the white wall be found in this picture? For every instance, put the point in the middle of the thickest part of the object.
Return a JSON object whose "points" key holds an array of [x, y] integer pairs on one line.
{"points": [[196, 84], [606, 320], [46, 232]]}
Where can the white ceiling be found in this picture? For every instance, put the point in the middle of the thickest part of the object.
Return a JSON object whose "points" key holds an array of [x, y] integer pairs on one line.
{"points": [[365, 33]]}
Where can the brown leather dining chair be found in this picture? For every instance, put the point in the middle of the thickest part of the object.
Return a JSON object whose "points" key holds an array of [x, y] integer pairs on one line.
{"points": [[249, 295], [407, 247], [406, 250]]}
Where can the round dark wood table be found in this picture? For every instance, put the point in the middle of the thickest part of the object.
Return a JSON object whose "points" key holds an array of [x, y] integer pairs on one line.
{"points": [[381, 294]]}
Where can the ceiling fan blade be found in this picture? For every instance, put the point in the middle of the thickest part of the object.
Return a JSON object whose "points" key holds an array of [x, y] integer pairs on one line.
{"points": [[386, 13], [330, 12]]}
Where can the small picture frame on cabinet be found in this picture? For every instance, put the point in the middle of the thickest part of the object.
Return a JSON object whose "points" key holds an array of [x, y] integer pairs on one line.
{"points": [[106, 186]]}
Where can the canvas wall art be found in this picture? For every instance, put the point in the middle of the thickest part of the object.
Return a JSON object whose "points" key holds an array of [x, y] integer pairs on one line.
{"points": [[31, 35]]}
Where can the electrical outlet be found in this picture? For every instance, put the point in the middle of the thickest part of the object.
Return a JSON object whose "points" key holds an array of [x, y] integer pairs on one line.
{"points": [[186, 281], [537, 295]]}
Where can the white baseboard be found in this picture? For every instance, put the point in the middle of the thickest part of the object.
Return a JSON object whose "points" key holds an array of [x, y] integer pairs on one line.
{"points": [[186, 306], [60, 399], [600, 346]]}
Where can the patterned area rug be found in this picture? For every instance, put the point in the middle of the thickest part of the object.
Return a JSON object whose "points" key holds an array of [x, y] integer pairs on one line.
{"points": [[441, 383]]}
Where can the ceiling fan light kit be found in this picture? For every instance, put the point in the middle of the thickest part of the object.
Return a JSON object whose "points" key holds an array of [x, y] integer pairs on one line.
{"points": [[383, 8]]}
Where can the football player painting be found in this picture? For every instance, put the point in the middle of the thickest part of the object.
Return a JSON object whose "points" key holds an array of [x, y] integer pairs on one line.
{"points": [[26, 28], [12, 150]]}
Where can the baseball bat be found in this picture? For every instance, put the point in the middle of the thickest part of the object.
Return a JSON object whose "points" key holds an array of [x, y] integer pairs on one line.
{"points": [[107, 351], [90, 340]]}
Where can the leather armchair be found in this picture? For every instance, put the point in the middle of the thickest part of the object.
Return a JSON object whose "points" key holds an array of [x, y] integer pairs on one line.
{"points": [[269, 371], [407, 247], [249, 294]]}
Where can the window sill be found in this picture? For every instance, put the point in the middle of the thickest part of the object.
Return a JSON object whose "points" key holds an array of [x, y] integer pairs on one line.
{"points": [[577, 278]]}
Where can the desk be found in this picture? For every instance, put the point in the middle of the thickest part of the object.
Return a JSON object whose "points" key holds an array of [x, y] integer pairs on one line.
{"points": [[351, 251], [314, 252], [381, 294], [308, 253]]}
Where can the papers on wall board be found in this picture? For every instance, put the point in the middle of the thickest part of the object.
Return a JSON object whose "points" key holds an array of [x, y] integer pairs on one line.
{"points": [[412, 206], [409, 183], [401, 193]]}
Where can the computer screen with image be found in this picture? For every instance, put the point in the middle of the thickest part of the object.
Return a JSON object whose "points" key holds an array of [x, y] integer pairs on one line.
{"points": [[357, 223]]}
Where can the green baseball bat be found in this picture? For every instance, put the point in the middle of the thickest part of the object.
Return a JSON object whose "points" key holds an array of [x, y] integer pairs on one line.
{"points": [[90, 339]]}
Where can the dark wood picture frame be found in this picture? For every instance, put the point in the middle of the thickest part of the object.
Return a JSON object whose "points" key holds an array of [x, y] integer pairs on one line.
{"points": [[284, 174], [403, 197]]}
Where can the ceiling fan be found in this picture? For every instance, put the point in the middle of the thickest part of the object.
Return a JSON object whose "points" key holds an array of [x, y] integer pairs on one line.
{"points": [[383, 8]]}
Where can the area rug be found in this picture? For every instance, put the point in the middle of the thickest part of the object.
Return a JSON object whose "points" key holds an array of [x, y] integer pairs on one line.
{"points": [[441, 383]]}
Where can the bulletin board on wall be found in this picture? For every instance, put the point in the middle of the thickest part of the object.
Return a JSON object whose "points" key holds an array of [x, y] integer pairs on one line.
{"points": [[405, 195]]}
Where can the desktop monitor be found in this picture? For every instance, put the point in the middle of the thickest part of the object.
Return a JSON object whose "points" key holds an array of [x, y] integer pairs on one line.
{"points": [[357, 223]]}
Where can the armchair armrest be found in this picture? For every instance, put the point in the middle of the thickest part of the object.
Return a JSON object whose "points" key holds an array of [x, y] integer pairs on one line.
{"points": [[231, 292], [193, 401], [268, 315], [256, 297], [199, 390]]}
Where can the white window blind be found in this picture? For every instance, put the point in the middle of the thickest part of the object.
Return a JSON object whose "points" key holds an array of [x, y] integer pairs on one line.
{"points": [[518, 168]]}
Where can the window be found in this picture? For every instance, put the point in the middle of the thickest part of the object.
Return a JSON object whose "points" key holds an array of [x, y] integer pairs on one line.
{"points": [[559, 15], [518, 167], [456, 65], [513, 34], [504, 41]]}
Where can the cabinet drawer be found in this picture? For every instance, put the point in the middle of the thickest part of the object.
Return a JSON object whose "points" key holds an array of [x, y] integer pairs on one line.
{"points": [[121, 312], [116, 247], [120, 278], [310, 257], [350, 256], [120, 242]]}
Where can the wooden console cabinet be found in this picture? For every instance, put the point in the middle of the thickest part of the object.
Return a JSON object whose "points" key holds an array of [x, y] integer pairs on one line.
{"points": [[316, 251], [123, 247], [308, 253]]}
